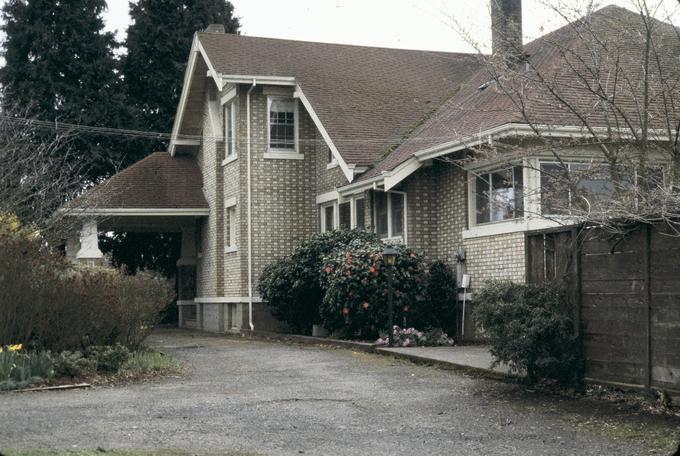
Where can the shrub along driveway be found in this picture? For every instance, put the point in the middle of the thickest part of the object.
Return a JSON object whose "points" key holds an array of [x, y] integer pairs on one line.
{"points": [[271, 398]]}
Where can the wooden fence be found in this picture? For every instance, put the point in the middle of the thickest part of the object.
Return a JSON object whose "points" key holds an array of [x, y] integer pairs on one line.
{"points": [[625, 295]]}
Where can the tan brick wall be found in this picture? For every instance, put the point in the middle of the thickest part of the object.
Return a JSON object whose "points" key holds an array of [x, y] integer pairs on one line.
{"points": [[283, 191], [495, 257], [327, 179], [206, 267]]}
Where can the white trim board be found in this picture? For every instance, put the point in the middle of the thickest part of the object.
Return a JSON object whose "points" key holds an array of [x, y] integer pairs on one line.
{"points": [[151, 212], [346, 169], [226, 299]]}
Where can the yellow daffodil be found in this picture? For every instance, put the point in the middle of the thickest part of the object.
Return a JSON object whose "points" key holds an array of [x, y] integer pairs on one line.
{"points": [[13, 348]]}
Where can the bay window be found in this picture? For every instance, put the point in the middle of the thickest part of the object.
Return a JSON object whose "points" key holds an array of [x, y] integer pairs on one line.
{"points": [[573, 186], [344, 215], [390, 214]]}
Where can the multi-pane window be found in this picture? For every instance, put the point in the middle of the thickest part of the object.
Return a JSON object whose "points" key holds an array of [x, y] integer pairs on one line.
{"points": [[499, 195], [282, 123], [570, 187], [359, 214], [345, 215], [229, 122], [230, 235], [390, 214]]}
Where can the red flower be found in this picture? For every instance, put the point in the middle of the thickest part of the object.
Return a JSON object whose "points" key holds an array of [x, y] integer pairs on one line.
{"points": [[328, 269], [345, 311], [364, 305], [405, 308]]}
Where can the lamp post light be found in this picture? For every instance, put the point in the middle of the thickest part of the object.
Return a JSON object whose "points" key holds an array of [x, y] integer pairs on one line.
{"points": [[389, 259]]}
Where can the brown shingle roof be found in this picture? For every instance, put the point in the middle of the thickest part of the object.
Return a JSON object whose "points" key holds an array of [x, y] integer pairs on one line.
{"points": [[473, 111], [367, 98], [158, 181]]}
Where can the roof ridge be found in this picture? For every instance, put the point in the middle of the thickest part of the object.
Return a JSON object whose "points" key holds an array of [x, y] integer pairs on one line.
{"points": [[325, 43]]}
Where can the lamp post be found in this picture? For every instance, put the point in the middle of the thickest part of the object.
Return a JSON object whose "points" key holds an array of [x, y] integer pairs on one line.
{"points": [[389, 259]]}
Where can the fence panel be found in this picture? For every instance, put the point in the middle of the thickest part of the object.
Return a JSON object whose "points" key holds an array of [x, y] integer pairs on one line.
{"points": [[625, 293]]}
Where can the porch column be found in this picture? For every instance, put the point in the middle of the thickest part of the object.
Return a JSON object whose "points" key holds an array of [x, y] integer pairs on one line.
{"points": [[186, 277], [89, 244]]}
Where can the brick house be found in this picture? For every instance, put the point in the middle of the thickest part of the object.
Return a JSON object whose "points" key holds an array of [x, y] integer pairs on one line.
{"points": [[275, 140]]}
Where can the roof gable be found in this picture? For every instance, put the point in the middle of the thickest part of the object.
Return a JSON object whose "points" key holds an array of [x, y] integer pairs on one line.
{"points": [[366, 98]]}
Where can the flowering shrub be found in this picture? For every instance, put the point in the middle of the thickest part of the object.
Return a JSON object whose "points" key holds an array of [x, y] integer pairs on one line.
{"points": [[355, 280], [292, 287], [411, 337]]}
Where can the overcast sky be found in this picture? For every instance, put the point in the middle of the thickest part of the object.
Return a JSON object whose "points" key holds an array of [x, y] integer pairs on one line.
{"points": [[413, 24]]}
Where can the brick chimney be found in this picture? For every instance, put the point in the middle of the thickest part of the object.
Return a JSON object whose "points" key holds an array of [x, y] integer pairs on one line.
{"points": [[215, 28], [506, 29]]}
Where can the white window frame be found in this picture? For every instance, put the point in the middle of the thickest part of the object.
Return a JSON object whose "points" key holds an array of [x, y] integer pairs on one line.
{"points": [[229, 114], [472, 192], [230, 226], [390, 237], [273, 152], [336, 216], [353, 210]]}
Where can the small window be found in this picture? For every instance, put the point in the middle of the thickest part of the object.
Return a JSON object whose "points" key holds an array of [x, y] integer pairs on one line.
{"points": [[328, 218], [345, 215], [282, 124], [230, 235], [331, 157], [381, 221], [359, 214], [390, 210], [499, 195], [229, 121]]}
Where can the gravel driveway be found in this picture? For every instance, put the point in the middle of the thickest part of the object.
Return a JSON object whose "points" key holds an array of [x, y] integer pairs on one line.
{"points": [[269, 398]]}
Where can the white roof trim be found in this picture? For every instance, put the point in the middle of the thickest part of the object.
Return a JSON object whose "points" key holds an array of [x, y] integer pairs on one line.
{"points": [[261, 80], [328, 196], [179, 114], [348, 170], [411, 165], [141, 212]]}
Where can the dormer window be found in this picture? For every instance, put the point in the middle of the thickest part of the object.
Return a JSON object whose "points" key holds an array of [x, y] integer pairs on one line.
{"points": [[282, 124]]}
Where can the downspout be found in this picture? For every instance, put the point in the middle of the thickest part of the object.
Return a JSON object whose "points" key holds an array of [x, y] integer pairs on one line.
{"points": [[249, 205]]}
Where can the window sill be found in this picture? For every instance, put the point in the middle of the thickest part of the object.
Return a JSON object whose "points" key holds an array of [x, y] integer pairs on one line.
{"points": [[398, 240], [508, 227], [231, 249], [283, 155], [332, 165], [229, 159]]}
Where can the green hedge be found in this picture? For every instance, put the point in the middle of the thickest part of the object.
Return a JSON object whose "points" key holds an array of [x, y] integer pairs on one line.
{"points": [[530, 329]]}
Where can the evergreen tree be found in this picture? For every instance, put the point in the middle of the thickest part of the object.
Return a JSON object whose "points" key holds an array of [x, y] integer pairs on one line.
{"points": [[158, 43], [60, 66]]}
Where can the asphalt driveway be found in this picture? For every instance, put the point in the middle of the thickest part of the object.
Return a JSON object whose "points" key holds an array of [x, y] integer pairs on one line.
{"points": [[269, 398]]}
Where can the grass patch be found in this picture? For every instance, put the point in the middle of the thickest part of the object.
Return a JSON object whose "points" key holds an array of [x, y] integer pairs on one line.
{"points": [[149, 361], [658, 439]]}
